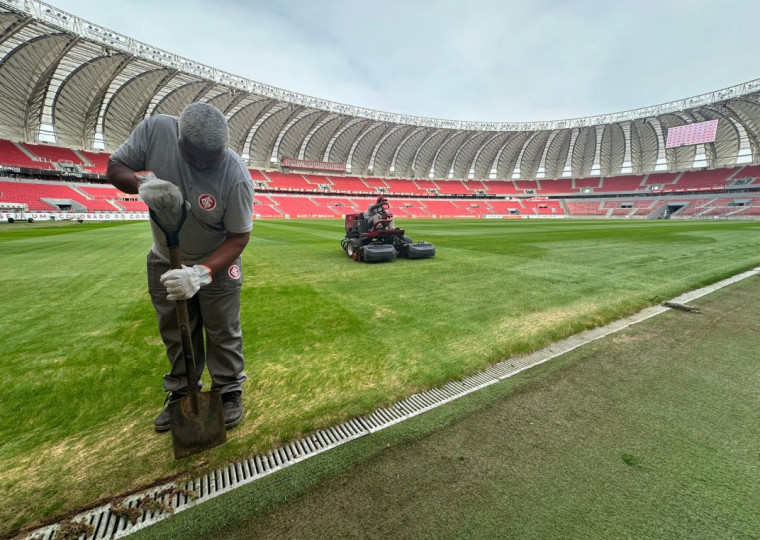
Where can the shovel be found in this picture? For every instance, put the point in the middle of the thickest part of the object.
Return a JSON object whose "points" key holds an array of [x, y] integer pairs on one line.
{"points": [[197, 419]]}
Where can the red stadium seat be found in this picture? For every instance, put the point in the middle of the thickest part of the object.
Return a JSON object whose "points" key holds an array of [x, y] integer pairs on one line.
{"points": [[99, 161], [54, 153], [13, 156]]}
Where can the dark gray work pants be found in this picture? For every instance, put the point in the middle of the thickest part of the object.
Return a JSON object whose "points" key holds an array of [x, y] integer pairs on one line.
{"points": [[215, 311]]}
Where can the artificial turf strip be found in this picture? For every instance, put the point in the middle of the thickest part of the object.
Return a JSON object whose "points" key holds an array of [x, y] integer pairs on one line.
{"points": [[648, 433], [326, 338]]}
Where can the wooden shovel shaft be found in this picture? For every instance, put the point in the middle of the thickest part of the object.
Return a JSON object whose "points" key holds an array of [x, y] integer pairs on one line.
{"points": [[183, 318]]}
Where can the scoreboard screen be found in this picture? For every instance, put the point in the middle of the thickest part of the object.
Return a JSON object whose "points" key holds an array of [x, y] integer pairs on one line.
{"points": [[701, 132]]}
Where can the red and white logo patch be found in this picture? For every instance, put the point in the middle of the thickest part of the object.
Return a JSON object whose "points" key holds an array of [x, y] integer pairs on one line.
{"points": [[234, 271], [207, 202]]}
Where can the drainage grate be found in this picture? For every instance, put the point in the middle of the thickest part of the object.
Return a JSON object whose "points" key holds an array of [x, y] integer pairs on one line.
{"points": [[107, 522]]}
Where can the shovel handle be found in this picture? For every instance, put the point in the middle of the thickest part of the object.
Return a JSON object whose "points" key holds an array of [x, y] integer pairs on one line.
{"points": [[183, 319], [172, 234]]}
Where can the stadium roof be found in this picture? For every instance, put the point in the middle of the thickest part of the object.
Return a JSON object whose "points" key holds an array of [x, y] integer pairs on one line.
{"points": [[84, 86]]}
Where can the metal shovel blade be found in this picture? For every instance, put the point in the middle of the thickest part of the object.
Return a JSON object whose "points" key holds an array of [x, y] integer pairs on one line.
{"points": [[197, 423]]}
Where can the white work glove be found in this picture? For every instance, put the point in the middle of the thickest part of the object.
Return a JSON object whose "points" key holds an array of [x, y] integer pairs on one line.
{"points": [[161, 196], [182, 284]]}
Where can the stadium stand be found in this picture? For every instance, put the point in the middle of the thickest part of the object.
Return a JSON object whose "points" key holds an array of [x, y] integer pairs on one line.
{"points": [[581, 183], [753, 171], [452, 187], [421, 197], [262, 211], [428, 186], [732, 206], [135, 205], [338, 205], [500, 187], [475, 187], [621, 212], [646, 207], [102, 206], [404, 187], [693, 206], [304, 207], [620, 184], [563, 185], [543, 207], [506, 208], [448, 209], [287, 182], [99, 161], [258, 176], [376, 185], [523, 185], [57, 154], [751, 209], [264, 207], [714, 179], [720, 207], [349, 184], [661, 179], [49, 196], [474, 208], [25, 193], [409, 208], [653, 210], [593, 208], [100, 191], [13, 155], [318, 181]]}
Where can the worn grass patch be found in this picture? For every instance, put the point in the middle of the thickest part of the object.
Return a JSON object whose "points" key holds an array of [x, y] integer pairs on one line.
{"points": [[326, 338]]}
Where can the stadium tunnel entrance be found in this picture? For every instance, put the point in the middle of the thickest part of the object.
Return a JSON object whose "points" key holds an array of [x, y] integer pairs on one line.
{"points": [[66, 205], [670, 209]]}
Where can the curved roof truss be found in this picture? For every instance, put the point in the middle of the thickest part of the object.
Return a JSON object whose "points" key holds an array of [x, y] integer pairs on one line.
{"points": [[84, 86]]}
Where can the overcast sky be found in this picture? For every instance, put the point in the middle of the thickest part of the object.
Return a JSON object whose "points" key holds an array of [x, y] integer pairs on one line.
{"points": [[486, 60]]}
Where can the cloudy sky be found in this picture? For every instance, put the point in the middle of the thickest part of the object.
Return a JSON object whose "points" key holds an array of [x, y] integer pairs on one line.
{"points": [[488, 60]]}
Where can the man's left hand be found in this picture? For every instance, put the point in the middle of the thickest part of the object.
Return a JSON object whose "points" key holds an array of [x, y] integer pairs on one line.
{"points": [[182, 284]]}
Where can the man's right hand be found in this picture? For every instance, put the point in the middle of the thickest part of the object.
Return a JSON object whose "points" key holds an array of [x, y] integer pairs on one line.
{"points": [[160, 196]]}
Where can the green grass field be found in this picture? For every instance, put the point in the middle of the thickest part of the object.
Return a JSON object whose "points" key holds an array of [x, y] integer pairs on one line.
{"points": [[326, 338], [648, 433]]}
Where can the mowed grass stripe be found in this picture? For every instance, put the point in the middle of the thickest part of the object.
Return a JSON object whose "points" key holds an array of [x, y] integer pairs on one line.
{"points": [[647, 433], [326, 338]]}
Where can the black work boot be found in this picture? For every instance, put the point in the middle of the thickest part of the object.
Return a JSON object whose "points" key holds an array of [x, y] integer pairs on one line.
{"points": [[232, 404], [162, 423]]}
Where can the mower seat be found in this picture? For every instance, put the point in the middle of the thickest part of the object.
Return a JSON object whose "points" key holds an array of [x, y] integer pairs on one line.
{"points": [[362, 226], [382, 224]]}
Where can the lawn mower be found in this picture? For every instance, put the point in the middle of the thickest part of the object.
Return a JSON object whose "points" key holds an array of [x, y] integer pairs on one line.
{"points": [[372, 237]]}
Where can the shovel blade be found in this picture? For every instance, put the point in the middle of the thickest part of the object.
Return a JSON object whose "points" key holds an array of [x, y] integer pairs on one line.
{"points": [[195, 430]]}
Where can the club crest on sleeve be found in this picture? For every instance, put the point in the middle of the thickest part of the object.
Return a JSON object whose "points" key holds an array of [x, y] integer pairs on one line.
{"points": [[207, 202], [234, 271]]}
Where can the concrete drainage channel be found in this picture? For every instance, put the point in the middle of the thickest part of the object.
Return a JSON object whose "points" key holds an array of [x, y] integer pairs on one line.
{"points": [[151, 506]]}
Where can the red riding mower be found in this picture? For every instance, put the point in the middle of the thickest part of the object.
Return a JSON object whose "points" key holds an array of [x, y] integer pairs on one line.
{"points": [[371, 236]]}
